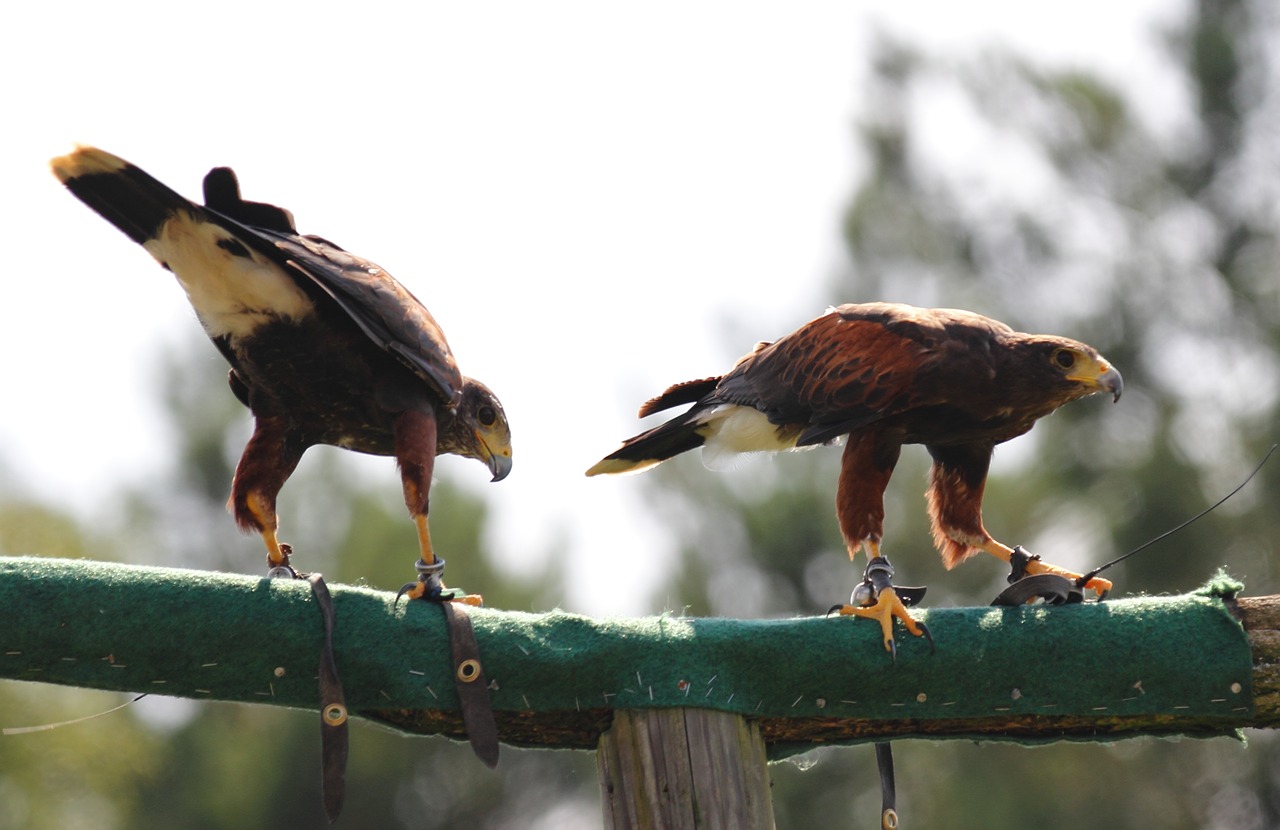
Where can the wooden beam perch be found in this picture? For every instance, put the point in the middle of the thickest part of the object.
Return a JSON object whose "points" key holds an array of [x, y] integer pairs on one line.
{"points": [[1165, 665]]}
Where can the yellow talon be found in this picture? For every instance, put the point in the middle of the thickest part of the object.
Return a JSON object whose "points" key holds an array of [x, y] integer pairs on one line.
{"points": [[1102, 586], [886, 607], [1033, 565]]}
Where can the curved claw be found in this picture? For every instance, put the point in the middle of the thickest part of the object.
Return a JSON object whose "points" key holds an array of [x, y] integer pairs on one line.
{"points": [[924, 629], [839, 606], [414, 589], [428, 585], [423, 590], [887, 607]]}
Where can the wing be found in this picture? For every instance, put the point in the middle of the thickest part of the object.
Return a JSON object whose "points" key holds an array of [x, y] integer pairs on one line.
{"points": [[855, 365], [385, 310]]}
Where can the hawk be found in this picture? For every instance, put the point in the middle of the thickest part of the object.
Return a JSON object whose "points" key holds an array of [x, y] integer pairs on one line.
{"points": [[880, 375], [325, 347]]}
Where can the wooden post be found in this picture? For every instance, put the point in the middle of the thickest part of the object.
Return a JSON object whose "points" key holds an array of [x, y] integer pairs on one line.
{"points": [[683, 769]]}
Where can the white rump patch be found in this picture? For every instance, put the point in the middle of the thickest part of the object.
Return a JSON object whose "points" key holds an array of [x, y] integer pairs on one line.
{"points": [[232, 295], [732, 430]]}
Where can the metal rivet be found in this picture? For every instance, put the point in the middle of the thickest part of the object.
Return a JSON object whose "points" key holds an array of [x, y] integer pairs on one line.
{"points": [[1236, 688], [279, 672], [468, 670], [921, 698], [821, 702], [335, 714], [1017, 694]]}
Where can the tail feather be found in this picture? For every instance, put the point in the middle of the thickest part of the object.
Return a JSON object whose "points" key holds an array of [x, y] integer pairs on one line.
{"points": [[234, 275], [691, 391], [650, 448], [126, 196]]}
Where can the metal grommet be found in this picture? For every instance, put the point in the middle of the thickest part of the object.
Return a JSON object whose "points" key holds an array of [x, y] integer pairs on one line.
{"points": [[889, 819], [335, 714], [468, 670]]}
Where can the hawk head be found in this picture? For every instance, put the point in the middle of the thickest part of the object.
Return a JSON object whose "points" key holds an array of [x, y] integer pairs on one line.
{"points": [[477, 428], [1061, 369]]}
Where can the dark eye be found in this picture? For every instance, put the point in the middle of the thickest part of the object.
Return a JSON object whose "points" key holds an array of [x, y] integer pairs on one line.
{"points": [[487, 416], [1065, 358]]}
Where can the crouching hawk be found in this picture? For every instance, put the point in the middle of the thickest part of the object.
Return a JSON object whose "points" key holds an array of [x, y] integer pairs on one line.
{"points": [[882, 375], [324, 347]]}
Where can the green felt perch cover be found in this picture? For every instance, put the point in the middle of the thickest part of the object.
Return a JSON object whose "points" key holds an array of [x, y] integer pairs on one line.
{"points": [[231, 637]]}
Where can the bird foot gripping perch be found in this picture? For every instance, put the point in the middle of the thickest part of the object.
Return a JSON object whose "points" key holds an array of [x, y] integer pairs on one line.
{"points": [[1051, 588], [431, 580], [282, 569], [429, 585], [877, 579]]}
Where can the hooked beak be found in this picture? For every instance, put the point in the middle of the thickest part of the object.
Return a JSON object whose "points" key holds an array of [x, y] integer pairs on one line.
{"points": [[1097, 375], [1110, 381], [499, 463]]}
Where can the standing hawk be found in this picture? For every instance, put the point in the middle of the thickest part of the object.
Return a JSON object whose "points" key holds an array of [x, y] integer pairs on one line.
{"points": [[324, 347], [883, 375]]}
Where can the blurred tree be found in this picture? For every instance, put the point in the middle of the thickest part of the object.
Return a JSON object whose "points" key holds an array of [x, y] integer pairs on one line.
{"points": [[1049, 199]]}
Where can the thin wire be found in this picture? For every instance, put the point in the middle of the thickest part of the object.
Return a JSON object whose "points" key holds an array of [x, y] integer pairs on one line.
{"points": [[1086, 577], [26, 730]]}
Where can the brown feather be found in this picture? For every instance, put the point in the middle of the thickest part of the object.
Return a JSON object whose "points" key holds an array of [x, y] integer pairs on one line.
{"points": [[868, 462], [885, 375], [678, 394], [415, 450], [956, 483]]}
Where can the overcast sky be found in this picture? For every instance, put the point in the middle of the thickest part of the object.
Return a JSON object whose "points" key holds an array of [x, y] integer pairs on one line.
{"points": [[582, 193]]}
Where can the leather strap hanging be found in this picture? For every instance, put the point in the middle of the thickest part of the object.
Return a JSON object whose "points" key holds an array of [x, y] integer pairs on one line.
{"points": [[472, 685], [334, 740], [888, 789]]}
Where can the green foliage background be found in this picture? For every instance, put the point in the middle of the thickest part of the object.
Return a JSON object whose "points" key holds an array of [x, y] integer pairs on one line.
{"points": [[1076, 217]]}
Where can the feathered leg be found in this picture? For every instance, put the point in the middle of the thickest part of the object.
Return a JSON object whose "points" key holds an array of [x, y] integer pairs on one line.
{"points": [[956, 484], [266, 463], [415, 447], [865, 468]]}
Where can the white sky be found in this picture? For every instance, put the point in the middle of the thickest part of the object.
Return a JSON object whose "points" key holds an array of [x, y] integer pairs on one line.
{"points": [[582, 193]]}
